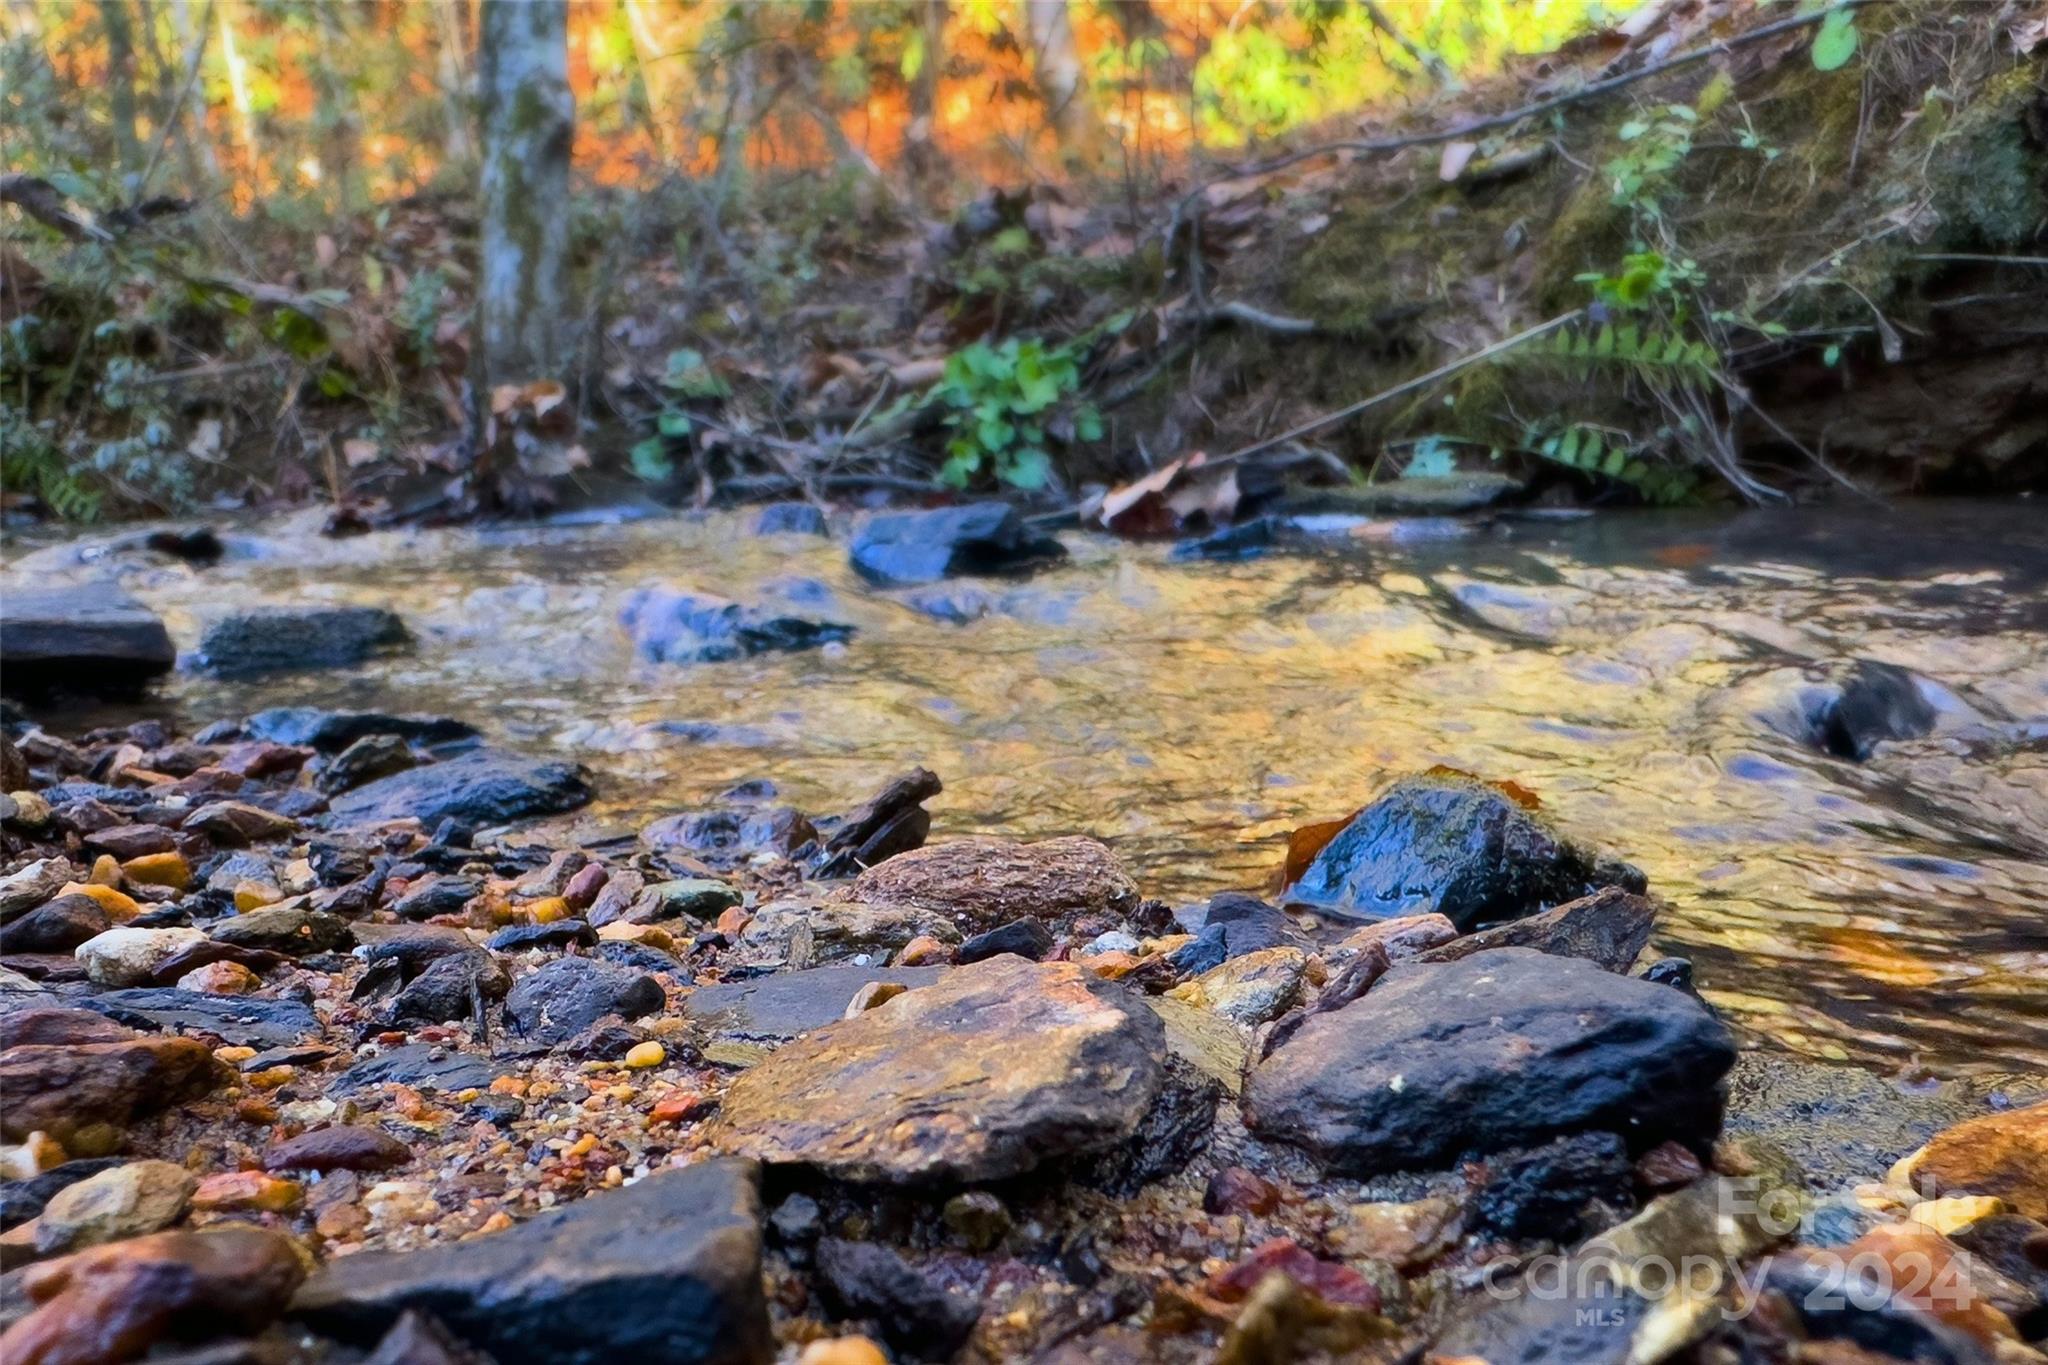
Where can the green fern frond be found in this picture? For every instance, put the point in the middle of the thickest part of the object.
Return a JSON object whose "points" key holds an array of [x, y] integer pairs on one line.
{"points": [[1657, 357]]}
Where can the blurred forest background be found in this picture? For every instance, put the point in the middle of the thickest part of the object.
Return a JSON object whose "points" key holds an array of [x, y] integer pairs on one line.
{"points": [[420, 258]]}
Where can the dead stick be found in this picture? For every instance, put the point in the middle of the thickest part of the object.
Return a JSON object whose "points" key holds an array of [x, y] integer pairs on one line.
{"points": [[1407, 386]]}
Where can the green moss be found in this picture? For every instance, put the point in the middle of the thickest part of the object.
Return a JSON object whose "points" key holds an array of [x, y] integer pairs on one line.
{"points": [[1990, 181]]}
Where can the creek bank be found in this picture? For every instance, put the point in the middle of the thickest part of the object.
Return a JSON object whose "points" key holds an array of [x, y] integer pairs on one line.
{"points": [[973, 1099]]}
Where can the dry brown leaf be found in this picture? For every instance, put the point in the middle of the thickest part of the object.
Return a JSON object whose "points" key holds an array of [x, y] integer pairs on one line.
{"points": [[504, 398], [205, 442], [358, 452], [1171, 497], [544, 395], [1457, 155]]}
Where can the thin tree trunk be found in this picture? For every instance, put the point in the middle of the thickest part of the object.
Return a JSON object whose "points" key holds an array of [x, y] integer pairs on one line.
{"points": [[121, 84], [452, 63], [528, 119], [238, 85], [201, 167], [340, 120], [1056, 66], [922, 155]]}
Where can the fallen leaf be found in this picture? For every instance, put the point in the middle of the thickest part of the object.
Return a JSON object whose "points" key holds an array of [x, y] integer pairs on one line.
{"points": [[324, 250], [544, 396], [1306, 842], [357, 451], [1513, 791], [1171, 498], [1456, 156], [504, 398]]}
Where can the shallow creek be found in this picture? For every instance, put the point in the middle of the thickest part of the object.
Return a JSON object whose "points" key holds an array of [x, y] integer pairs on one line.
{"points": [[1620, 666]]}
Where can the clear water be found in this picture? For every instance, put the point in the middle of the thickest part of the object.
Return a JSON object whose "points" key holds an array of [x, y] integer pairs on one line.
{"points": [[1895, 912]]}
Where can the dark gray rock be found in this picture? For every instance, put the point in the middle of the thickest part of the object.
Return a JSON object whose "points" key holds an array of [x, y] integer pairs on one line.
{"points": [[1246, 540], [287, 638], [436, 896], [1503, 1049], [914, 1313], [238, 1020], [419, 1065], [790, 519], [558, 934], [566, 996], [670, 625], [366, 760], [93, 639], [1847, 711], [292, 930], [1544, 1192], [481, 788], [642, 958], [728, 835], [1250, 925], [333, 731], [1023, 937], [55, 926], [453, 987], [1456, 847], [922, 547], [664, 1272], [777, 1008]]}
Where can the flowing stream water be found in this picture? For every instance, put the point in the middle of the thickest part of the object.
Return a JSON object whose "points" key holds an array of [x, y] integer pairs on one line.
{"points": [[1622, 666]]}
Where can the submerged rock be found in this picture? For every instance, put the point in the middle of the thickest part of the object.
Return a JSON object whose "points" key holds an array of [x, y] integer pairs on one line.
{"points": [[664, 1272], [1453, 846], [790, 519], [334, 731], [903, 548], [1503, 1049], [480, 788], [286, 638], [986, 1074], [93, 639], [1848, 710], [989, 882], [669, 625]]}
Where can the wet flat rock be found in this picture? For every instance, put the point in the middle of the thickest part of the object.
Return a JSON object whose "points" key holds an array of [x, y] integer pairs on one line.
{"points": [[788, 1004], [1453, 846], [922, 547], [663, 1272], [677, 626], [92, 639], [480, 788], [277, 639], [994, 1069], [990, 882], [1503, 1049]]}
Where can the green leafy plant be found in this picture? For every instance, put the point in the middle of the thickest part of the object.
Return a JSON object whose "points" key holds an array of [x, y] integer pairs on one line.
{"points": [[32, 462], [1653, 145], [688, 379], [1005, 404], [1834, 43], [1613, 454]]}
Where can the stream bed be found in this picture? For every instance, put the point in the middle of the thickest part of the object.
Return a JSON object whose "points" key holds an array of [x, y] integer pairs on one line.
{"points": [[1635, 670]]}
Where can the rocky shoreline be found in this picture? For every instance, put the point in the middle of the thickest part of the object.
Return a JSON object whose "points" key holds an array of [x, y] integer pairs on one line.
{"points": [[305, 1059]]}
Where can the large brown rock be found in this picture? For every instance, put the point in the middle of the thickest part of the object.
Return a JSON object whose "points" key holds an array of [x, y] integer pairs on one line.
{"points": [[987, 882], [113, 1303], [2004, 1154], [985, 1074], [57, 1088], [1608, 928], [800, 932]]}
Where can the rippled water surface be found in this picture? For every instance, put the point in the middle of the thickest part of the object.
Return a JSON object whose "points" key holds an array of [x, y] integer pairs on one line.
{"points": [[1192, 714]]}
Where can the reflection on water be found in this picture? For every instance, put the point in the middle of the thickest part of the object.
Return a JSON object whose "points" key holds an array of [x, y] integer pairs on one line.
{"points": [[1193, 714]]}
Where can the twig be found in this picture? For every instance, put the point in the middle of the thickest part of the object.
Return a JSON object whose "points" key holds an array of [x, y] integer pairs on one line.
{"points": [[1443, 371], [1428, 61], [1235, 311], [1972, 256]]}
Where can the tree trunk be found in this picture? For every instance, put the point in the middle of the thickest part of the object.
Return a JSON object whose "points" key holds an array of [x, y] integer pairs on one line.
{"points": [[201, 167], [451, 58], [121, 85], [527, 119], [1056, 66], [921, 154]]}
